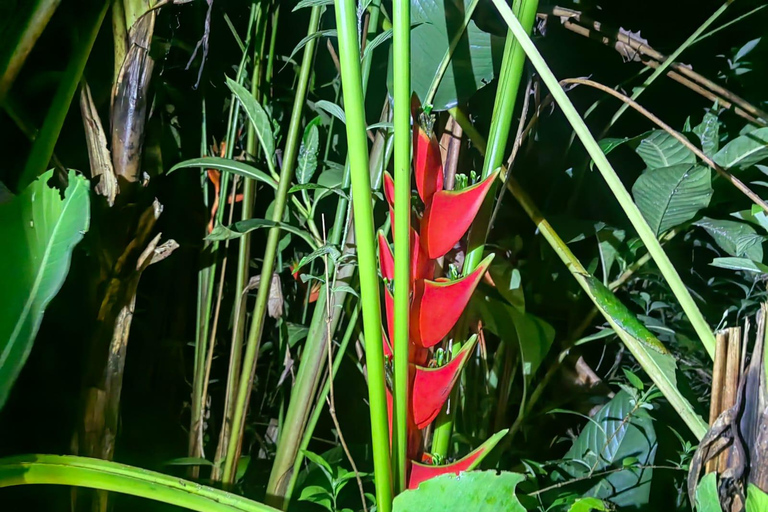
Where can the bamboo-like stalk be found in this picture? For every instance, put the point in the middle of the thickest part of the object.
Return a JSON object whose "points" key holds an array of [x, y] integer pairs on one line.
{"points": [[293, 139], [349, 58], [614, 183], [501, 120], [401, 63]]}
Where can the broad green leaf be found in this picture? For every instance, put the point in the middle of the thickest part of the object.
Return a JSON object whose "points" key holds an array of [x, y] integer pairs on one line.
{"points": [[328, 182], [669, 196], [242, 227], [307, 162], [226, 165], [744, 151], [472, 63], [508, 282], [707, 496], [735, 238], [319, 495], [757, 500], [39, 229], [709, 133], [321, 463], [258, 117], [756, 216], [111, 476], [740, 264], [660, 149], [332, 109], [589, 505], [475, 491], [612, 436]]}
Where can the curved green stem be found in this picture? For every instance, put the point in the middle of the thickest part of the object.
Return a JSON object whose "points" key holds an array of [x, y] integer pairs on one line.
{"points": [[349, 57], [614, 182], [110, 476], [286, 175]]}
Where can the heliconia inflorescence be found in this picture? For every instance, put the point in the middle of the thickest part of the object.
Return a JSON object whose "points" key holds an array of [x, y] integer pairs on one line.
{"points": [[436, 303]]}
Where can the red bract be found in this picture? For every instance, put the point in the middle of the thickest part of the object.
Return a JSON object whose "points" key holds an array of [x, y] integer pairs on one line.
{"points": [[435, 304]]}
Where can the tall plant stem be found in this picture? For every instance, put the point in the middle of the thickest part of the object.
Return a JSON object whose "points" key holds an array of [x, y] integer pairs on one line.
{"points": [[349, 58], [401, 55], [243, 258], [288, 456], [662, 69], [286, 175], [614, 182], [506, 95]]}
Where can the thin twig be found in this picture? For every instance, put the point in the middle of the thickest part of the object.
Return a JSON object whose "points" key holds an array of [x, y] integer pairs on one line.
{"points": [[685, 142], [330, 398]]}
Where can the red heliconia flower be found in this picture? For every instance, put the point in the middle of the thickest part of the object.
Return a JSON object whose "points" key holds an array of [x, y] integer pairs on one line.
{"points": [[435, 304]]}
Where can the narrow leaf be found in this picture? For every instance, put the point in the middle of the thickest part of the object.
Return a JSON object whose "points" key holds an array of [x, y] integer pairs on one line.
{"points": [[257, 116], [332, 109], [226, 165]]}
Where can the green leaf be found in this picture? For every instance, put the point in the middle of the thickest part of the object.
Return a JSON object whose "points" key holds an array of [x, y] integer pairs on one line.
{"points": [[633, 379], [332, 109], [605, 442], [321, 463], [307, 162], [114, 477], [707, 496], [589, 505], [660, 149], [317, 494], [331, 32], [740, 264], [757, 500], [669, 196], [39, 229], [476, 491], [735, 238], [330, 250], [709, 133], [744, 151], [472, 63], [508, 282], [242, 227], [226, 165], [188, 461], [258, 117], [377, 41], [311, 3]]}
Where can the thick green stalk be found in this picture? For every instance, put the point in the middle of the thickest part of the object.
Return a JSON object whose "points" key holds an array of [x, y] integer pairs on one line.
{"points": [[662, 69], [614, 182], [349, 58], [504, 106], [42, 148], [288, 456], [111, 476], [401, 54], [293, 139]]}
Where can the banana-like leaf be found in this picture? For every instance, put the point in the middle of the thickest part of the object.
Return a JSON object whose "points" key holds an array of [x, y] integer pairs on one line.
{"points": [[478, 491], [111, 476], [39, 228]]}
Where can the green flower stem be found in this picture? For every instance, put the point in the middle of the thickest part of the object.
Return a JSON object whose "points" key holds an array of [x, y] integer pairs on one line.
{"points": [[506, 95], [111, 476], [293, 140], [289, 456], [614, 182], [349, 58], [401, 63]]}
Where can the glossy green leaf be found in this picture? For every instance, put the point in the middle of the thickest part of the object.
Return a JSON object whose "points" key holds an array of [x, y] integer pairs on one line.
{"points": [[310, 145], [612, 436], [740, 264], [114, 477], [476, 491], [669, 196], [39, 229], [744, 151], [226, 165], [709, 133], [256, 114], [660, 149], [589, 505], [757, 500], [707, 496], [438, 22], [332, 109], [736, 238]]}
